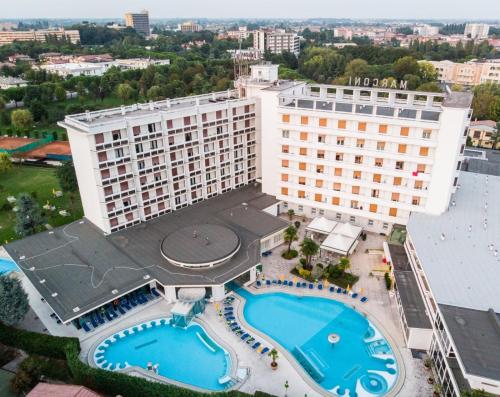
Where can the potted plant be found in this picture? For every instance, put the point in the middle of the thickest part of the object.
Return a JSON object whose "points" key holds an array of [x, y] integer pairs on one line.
{"points": [[437, 390], [427, 363], [274, 355], [430, 381]]}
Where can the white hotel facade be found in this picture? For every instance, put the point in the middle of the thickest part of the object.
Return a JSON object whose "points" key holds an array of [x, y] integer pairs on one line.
{"points": [[363, 155]]}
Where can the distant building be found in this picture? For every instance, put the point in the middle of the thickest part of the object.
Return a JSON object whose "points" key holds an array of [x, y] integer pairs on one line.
{"points": [[249, 54], [10, 82], [47, 389], [139, 21], [345, 33], [241, 34], [468, 73], [8, 37], [276, 41], [427, 30], [482, 133], [189, 26], [477, 31]]}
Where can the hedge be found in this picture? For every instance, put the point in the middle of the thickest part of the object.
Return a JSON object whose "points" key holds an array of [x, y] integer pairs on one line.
{"points": [[107, 382]]}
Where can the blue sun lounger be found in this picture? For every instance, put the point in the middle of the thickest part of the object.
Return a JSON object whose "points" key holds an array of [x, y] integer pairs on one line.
{"points": [[155, 292], [297, 284], [264, 350], [339, 290], [108, 316], [256, 345], [320, 286], [268, 283], [99, 318], [85, 327], [355, 295], [230, 318], [344, 291], [304, 285], [311, 286], [244, 336], [332, 289], [285, 283], [364, 299], [93, 321], [258, 284]]}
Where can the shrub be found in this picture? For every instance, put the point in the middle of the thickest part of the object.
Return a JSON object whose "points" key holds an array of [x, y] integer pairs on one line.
{"points": [[302, 261], [289, 254], [320, 265], [305, 273], [388, 281], [296, 224]]}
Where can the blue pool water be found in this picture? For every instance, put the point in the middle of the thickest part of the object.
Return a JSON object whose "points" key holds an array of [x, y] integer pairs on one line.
{"points": [[7, 266], [360, 364], [187, 355]]}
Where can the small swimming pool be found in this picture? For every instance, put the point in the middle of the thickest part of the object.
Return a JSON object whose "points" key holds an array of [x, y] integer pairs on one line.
{"points": [[360, 364], [7, 266], [188, 355]]}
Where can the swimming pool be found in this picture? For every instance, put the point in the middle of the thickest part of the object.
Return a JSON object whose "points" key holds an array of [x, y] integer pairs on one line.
{"points": [[187, 355], [361, 364], [7, 266]]}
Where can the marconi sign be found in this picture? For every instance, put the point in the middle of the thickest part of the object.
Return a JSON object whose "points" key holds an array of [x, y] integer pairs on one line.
{"points": [[378, 83]]}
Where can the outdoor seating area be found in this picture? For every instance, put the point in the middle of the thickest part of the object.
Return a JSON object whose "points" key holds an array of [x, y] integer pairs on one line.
{"points": [[229, 317], [295, 284], [116, 309]]}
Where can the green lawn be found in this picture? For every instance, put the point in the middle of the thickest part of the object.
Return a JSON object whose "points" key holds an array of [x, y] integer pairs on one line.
{"points": [[5, 378], [39, 182]]}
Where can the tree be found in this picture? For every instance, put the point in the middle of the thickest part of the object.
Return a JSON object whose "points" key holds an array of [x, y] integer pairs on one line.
{"points": [[405, 65], [2, 103], [344, 263], [13, 300], [290, 235], [5, 162], [484, 96], [290, 213], [274, 355], [475, 393], [309, 247], [357, 68], [21, 119], [430, 87], [67, 177], [155, 93], [28, 217], [60, 93], [427, 71], [124, 91]]}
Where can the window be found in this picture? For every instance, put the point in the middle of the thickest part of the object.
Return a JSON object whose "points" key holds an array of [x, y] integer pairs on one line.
{"points": [[397, 181], [415, 200], [99, 138], [355, 190], [373, 207], [342, 124], [401, 148], [360, 143], [426, 134], [418, 185], [375, 193], [338, 216], [141, 164], [352, 218], [320, 154], [321, 138], [302, 180], [370, 222], [393, 212], [318, 197], [380, 145], [320, 169], [400, 165], [154, 144], [356, 174], [382, 129], [187, 120], [385, 226], [339, 157], [404, 131], [337, 186], [421, 168], [338, 171], [395, 196], [138, 148], [303, 151], [116, 135], [377, 178], [379, 162], [322, 122], [301, 194], [303, 136], [340, 140], [285, 149], [152, 127], [285, 134], [313, 211], [424, 151], [358, 159], [304, 120], [285, 118], [284, 177], [136, 130], [284, 163], [336, 200], [361, 126], [118, 153], [354, 204], [302, 166], [102, 156], [284, 191]]}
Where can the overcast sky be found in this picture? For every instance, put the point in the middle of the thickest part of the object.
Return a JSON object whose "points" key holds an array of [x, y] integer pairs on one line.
{"points": [[410, 9]]}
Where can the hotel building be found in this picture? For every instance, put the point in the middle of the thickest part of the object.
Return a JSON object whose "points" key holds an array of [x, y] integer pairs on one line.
{"points": [[369, 156], [276, 41], [10, 36], [138, 21], [477, 31], [468, 73]]}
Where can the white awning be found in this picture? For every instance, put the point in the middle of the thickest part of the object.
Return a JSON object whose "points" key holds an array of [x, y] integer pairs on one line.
{"points": [[191, 294], [321, 225], [338, 243], [182, 308], [348, 230]]}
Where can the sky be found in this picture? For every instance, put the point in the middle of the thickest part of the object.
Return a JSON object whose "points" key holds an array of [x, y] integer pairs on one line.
{"points": [[359, 9]]}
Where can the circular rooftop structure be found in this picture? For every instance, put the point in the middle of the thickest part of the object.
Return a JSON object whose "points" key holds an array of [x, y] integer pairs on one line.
{"points": [[201, 245]]}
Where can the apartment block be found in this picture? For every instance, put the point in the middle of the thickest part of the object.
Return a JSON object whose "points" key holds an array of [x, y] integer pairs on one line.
{"points": [[369, 156], [138, 21], [477, 31], [468, 73], [10, 36], [137, 162], [276, 41]]}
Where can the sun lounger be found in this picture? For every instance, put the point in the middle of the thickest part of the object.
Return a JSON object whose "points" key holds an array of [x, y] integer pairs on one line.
{"points": [[230, 318], [311, 286], [268, 283], [108, 316], [120, 309], [332, 289], [339, 290], [297, 285], [94, 322], [99, 318], [250, 340], [320, 286], [258, 284], [244, 336], [344, 291], [264, 350], [85, 327], [155, 292], [304, 285], [285, 283], [364, 299], [132, 302], [255, 345], [355, 295], [279, 282]]}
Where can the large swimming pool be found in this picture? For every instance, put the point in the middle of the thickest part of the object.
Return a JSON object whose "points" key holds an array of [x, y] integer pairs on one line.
{"points": [[188, 355], [360, 364], [7, 266]]}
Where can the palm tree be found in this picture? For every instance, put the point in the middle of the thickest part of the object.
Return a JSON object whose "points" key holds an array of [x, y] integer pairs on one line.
{"points": [[290, 236], [274, 355], [308, 249], [290, 214], [344, 263]]}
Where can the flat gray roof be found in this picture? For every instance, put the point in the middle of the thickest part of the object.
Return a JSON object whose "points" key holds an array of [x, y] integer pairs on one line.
{"points": [[488, 166], [409, 293], [476, 333], [456, 99], [76, 268], [459, 250]]}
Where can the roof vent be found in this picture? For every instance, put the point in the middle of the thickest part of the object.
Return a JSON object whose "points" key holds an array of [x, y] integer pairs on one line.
{"points": [[54, 294], [146, 277], [114, 292], [42, 281], [443, 237], [76, 309], [22, 257]]}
